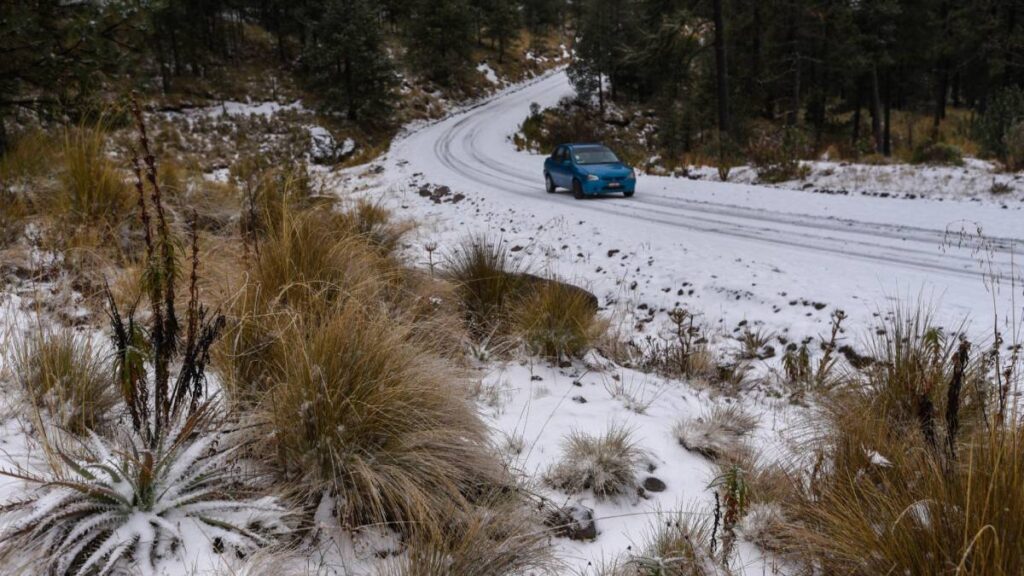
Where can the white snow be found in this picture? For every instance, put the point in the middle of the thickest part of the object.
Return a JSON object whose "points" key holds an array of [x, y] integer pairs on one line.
{"points": [[488, 72], [774, 259]]}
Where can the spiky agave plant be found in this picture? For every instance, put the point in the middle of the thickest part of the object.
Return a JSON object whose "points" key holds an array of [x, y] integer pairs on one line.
{"points": [[117, 505]]}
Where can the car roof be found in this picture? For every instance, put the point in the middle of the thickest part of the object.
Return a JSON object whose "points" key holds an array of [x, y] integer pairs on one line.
{"points": [[585, 145]]}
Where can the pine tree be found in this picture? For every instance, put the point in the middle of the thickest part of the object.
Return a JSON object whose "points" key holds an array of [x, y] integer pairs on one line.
{"points": [[439, 34], [348, 63]]}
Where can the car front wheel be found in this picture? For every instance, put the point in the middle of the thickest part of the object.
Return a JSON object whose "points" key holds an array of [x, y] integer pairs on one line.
{"points": [[629, 194], [549, 184], [577, 189]]}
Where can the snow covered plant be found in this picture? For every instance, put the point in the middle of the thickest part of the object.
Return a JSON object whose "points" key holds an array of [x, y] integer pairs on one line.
{"points": [[112, 506], [605, 464]]}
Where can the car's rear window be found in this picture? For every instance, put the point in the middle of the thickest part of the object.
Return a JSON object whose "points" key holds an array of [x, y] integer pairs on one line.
{"points": [[594, 155]]}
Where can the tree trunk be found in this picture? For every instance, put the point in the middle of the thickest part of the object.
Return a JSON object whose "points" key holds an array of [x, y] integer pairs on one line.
{"points": [[350, 91], [721, 71], [600, 93], [887, 134], [876, 110]]}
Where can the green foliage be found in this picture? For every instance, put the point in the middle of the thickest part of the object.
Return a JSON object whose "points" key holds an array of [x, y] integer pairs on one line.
{"points": [[348, 63], [1014, 142], [1005, 109], [439, 35]]}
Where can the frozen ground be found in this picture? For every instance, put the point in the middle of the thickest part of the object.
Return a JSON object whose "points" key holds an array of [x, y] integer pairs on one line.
{"points": [[779, 259], [977, 180]]}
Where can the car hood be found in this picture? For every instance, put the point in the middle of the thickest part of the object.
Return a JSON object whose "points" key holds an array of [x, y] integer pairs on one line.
{"points": [[614, 170]]}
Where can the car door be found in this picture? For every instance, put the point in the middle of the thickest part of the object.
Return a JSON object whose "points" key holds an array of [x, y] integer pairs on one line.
{"points": [[560, 168]]}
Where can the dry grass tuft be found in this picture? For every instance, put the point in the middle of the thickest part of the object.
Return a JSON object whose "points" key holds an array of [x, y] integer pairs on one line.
{"points": [[501, 538], [917, 474], [557, 320], [91, 189], [64, 373], [676, 544], [605, 464], [30, 157], [718, 433], [488, 281]]}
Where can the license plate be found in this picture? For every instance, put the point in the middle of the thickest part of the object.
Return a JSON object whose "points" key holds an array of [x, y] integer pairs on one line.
{"points": [[614, 184]]}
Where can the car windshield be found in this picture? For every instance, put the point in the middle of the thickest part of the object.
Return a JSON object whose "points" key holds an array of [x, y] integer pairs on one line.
{"points": [[594, 155]]}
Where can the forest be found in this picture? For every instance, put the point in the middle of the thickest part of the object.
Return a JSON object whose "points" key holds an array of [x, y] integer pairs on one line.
{"points": [[712, 71]]}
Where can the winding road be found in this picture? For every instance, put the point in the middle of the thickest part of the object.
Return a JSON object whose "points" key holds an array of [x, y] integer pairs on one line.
{"points": [[880, 244]]}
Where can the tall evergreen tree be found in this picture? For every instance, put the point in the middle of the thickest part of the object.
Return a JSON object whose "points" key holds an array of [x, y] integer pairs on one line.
{"points": [[439, 36], [348, 63]]}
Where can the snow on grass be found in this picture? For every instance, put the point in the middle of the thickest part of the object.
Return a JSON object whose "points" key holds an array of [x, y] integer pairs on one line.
{"points": [[977, 180], [488, 73]]}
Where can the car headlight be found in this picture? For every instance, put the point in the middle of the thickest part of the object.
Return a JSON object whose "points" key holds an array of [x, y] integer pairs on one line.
{"points": [[592, 178], [632, 175]]}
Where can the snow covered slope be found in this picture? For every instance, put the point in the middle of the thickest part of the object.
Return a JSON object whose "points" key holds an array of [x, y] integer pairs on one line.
{"points": [[732, 251]]}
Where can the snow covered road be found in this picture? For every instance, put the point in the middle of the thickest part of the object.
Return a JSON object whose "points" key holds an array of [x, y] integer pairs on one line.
{"points": [[747, 251]]}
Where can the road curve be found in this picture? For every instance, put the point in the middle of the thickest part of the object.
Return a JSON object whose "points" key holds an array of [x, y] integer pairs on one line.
{"points": [[915, 241]]}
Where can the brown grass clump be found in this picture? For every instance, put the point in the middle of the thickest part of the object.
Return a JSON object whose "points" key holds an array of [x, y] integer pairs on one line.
{"points": [[30, 157], [91, 189], [356, 410], [915, 513], [676, 544], [65, 374], [605, 464], [488, 281], [916, 474], [499, 539], [557, 320], [327, 352]]}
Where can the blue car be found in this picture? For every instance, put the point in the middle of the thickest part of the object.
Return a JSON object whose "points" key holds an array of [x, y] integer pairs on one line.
{"points": [[588, 170]]}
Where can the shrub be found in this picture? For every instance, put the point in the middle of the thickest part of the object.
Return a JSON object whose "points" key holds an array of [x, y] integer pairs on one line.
{"points": [[91, 187], [1014, 142], [123, 505], [63, 373], [775, 153], [1004, 110], [358, 412], [605, 464], [937, 153], [488, 281], [316, 254], [556, 319]]}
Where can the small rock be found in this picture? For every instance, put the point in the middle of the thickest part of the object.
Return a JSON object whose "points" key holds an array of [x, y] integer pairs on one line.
{"points": [[652, 484], [579, 399], [574, 522]]}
